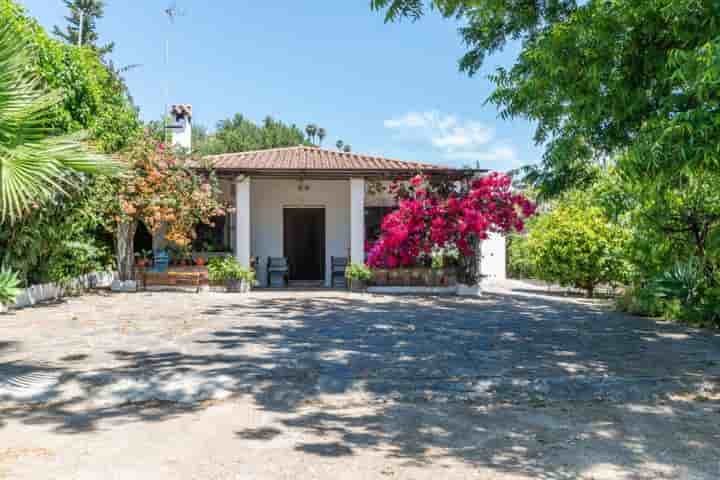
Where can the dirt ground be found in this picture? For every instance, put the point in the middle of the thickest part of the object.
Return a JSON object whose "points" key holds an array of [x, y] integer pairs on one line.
{"points": [[516, 385]]}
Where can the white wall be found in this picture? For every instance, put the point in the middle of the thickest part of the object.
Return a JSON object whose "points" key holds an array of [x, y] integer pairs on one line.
{"points": [[268, 197], [492, 261]]}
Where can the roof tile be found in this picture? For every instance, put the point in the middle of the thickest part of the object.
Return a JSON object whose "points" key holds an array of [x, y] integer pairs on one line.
{"points": [[311, 158]]}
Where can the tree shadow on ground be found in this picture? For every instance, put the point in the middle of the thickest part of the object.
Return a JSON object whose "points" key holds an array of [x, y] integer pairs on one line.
{"points": [[516, 383]]}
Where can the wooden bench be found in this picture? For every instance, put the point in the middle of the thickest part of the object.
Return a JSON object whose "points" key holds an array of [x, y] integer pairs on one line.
{"points": [[172, 279]]}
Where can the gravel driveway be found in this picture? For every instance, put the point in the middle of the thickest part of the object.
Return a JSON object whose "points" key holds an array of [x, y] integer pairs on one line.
{"points": [[518, 384]]}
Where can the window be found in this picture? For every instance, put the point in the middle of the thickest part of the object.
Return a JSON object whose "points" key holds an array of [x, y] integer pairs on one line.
{"points": [[373, 220]]}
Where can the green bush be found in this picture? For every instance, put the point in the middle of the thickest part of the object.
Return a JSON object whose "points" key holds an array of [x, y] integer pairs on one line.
{"points": [[520, 263], [9, 284], [575, 244], [358, 271], [75, 259], [96, 101], [223, 269], [685, 292]]}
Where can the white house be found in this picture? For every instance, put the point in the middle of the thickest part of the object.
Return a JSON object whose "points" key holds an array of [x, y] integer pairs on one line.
{"points": [[310, 204]]}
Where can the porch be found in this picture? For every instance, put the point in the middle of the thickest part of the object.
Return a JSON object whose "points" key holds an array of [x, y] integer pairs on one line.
{"points": [[307, 205]]}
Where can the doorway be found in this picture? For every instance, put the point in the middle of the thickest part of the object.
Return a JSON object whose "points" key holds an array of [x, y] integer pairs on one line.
{"points": [[304, 243]]}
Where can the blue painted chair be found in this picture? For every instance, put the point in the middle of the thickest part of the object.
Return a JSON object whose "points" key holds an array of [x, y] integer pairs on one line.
{"points": [[338, 266], [277, 272], [161, 261]]}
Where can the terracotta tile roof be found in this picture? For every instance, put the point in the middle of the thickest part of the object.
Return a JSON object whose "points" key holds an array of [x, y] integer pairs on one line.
{"points": [[312, 158]]}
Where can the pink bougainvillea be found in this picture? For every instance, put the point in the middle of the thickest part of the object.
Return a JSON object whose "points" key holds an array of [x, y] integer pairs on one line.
{"points": [[431, 216]]}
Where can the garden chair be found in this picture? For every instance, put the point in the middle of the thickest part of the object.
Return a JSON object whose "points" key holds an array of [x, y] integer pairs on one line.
{"points": [[161, 261], [277, 272], [338, 265]]}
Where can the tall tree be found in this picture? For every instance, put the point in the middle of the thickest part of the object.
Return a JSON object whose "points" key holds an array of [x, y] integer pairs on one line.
{"points": [[311, 131], [81, 26], [238, 134], [321, 134], [599, 77], [35, 164]]}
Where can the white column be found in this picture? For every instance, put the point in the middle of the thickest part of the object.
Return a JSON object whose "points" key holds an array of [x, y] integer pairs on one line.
{"points": [[357, 220], [242, 221]]}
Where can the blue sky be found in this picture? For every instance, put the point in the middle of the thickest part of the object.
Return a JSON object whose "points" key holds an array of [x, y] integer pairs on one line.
{"points": [[387, 89]]}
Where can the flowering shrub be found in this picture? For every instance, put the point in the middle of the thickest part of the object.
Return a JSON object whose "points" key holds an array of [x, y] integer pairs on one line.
{"points": [[161, 192], [158, 190], [450, 215]]}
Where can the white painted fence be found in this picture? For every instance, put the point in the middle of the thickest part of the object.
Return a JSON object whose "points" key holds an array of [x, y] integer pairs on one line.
{"points": [[52, 291]]}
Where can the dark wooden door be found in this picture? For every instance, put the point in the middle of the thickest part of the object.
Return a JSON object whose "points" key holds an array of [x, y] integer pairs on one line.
{"points": [[304, 240]]}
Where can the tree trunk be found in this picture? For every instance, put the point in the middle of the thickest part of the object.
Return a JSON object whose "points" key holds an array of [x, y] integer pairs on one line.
{"points": [[158, 241], [125, 249]]}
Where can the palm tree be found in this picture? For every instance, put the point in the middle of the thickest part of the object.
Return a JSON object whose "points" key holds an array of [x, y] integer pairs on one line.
{"points": [[311, 131], [321, 133], [340, 144], [347, 149], [35, 164]]}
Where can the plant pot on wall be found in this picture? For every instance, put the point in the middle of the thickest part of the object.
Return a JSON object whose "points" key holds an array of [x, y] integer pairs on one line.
{"points": [[416, 277], [439, 278], [428, 277], [394, 277], [236, 286], [380, 277]]}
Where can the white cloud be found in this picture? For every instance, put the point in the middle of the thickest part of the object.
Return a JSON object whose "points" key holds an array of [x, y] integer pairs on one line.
{"points": [[453, 138]]}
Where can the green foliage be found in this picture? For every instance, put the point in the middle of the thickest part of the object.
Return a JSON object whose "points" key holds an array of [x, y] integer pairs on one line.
{"points": [[94, 97], [684, 292], [239, 134], [31, 244], [520, 264], [33, 162], [223, 269], [576, 245], [358, 271], [9, 284], [74, 259], [626, 98]]}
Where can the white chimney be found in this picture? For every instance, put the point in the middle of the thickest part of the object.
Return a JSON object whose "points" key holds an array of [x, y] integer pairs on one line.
{"points": [[181, 128]]}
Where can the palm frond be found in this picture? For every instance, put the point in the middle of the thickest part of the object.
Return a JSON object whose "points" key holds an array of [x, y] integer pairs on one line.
{"points": [[34, 164]]}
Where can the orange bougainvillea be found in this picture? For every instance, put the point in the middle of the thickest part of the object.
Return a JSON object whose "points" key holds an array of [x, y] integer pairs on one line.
{"points": [[159, 190]]}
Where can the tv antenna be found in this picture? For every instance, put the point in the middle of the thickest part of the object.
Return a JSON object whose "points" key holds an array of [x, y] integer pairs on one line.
{"points": [[173, 12]]}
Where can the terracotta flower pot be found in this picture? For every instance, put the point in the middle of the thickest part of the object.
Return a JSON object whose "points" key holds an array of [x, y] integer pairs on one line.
{"points": [[380, 277], [405, 276], [416, 276], [395, 277], [440, 280], [200, 262], [428, 277]]}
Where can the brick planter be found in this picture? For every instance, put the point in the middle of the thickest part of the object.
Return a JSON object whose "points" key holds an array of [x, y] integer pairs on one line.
{"points": [[414, 277]]}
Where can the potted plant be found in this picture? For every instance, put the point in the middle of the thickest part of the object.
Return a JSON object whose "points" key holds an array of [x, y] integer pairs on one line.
{"points": [[394, 277], [416, 276], [227, 271], [358, 275], [143, 258], [200, 261], [380, 276], [9, 290]]}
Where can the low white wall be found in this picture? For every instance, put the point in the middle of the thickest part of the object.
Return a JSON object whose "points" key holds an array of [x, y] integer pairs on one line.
{"points": [[493, 258], [268, 198], [51, 291]]}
